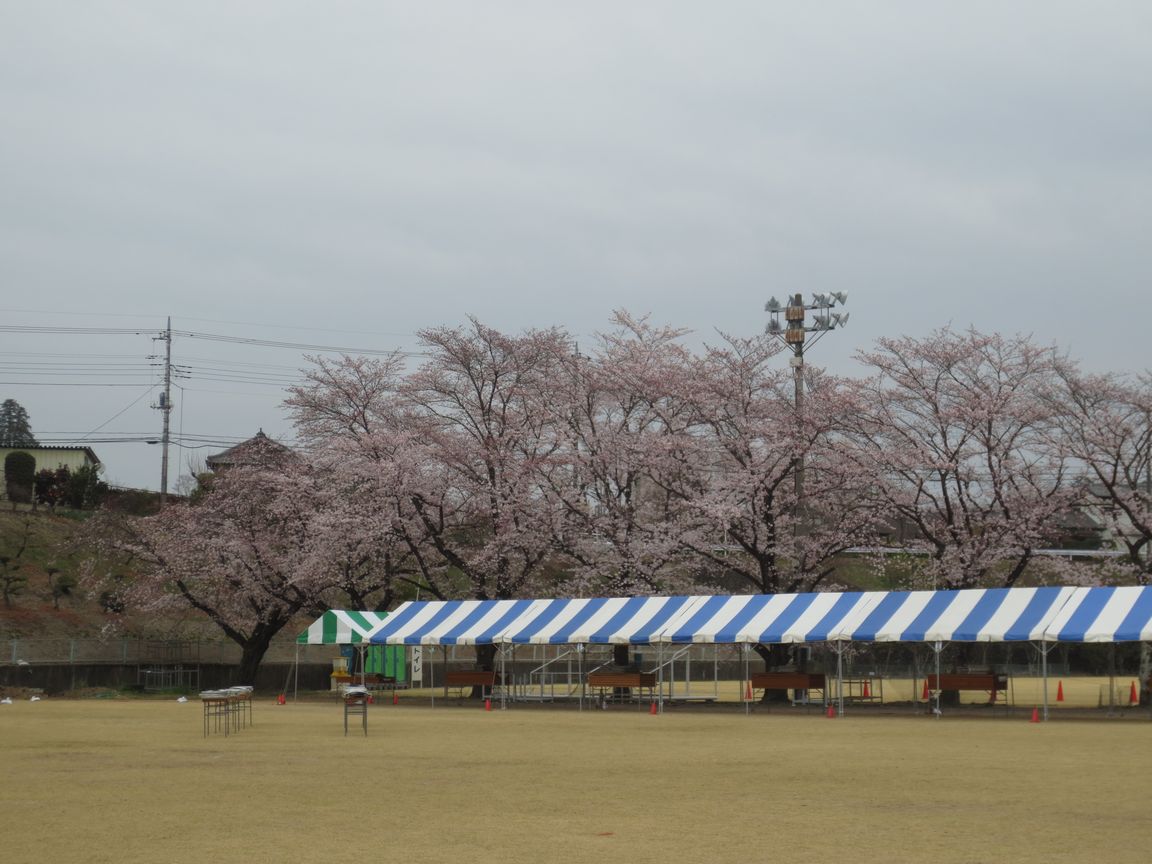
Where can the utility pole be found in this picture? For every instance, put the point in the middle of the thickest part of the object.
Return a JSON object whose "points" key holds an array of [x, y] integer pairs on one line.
{"points": [[793, 333], [166, 410]]}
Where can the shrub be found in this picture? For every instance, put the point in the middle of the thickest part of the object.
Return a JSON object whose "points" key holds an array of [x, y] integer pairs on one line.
{"points": [[52, 486], [20, 476]]}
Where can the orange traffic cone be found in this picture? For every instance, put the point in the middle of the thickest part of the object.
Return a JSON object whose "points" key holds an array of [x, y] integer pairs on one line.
{"points": [[280, 700], [1060, 691], [1035, 716], [653, 710], [748, 692], [1133, 695], [487, 704], [867, 691], [831, 710], [924, 696]]}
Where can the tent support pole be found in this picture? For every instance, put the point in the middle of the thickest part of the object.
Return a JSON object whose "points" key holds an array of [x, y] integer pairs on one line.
{"points": [[915, 679], [503, 681], [744, 657], [444, 670], [296, 671], [660, 679], [1044, 649], [839, 678], [715, 672], [580, 671], [938, 647]]}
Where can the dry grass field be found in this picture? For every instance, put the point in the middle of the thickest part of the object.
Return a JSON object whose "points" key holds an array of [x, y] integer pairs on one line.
{"points": [[134, 781]]}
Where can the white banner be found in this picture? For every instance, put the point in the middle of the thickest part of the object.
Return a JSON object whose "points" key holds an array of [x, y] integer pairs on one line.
{"points": [[417, 654]]}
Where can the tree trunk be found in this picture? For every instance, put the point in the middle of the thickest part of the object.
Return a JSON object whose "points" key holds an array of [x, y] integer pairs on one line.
{"points": [[253, 650], [773, 656], [486, 661], [622, 659]]}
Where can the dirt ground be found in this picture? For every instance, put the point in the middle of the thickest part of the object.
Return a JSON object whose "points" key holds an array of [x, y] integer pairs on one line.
{"points": [[135, 781]]}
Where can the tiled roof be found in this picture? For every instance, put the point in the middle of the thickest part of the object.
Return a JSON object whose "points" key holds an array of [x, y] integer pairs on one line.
{"points": [[55, 449], [258, 450]]}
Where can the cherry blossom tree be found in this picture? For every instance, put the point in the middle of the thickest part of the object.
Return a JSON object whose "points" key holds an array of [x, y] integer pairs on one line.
{"points": [[454, 452], [349, 398], [236, 556], [351, 414], [957, 431], [474, 405], [1106, 426], [753, 443], [353, 552], [620, 423]]}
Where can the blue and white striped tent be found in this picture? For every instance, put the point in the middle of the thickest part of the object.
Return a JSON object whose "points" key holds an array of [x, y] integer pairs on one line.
{"points": [[1104, 615], [977, 615], [980, 615]]}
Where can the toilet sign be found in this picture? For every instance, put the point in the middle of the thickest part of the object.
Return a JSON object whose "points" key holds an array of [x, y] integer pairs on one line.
{"points": [[417, 665]]}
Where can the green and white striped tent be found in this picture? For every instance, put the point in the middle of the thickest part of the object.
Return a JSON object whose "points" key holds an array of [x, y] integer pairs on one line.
{"points": [[344, 627], [337, 627]]}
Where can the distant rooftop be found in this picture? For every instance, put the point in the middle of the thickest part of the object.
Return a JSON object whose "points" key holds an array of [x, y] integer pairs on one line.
{"points": [[257, 451], [55, 448]]}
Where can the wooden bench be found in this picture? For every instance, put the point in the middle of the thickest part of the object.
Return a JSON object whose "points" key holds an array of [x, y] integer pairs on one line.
{"points": [[375, 681], [617, 682], [987, 682], [484, 678]]}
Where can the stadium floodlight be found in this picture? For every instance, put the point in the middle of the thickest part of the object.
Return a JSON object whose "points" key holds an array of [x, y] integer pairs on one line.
{"points": [[792, 332]]}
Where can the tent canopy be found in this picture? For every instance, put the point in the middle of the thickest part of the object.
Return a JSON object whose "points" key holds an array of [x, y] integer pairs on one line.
{"points": [[975, 615], [337, 627]]}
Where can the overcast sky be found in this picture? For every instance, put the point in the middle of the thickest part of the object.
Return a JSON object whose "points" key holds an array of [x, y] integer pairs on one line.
{"points": [[346, 173]]}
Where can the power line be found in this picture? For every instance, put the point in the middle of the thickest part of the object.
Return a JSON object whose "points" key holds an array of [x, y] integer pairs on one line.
{"points": [[297, 346], [205, 320], [68, 384], [118, 413], [191, 334], [76, 331]]}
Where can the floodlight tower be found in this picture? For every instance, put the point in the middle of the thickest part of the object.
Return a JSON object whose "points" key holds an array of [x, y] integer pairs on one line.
{"points": [[793, 333]]}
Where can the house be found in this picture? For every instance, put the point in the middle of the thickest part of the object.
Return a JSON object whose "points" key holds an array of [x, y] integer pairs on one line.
{"points": [[49, 458], [259, 451]]}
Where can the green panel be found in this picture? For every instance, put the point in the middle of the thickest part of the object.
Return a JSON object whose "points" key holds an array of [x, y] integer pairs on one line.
{"points": [[394, 662], [374, 660], [388, 660]]}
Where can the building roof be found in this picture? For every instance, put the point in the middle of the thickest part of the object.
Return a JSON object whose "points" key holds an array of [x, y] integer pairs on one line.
{"points": [[52, 448], [258, 451]]}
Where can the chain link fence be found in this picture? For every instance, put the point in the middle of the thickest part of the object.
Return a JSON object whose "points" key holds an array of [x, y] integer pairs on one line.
{"points": [[124, 652]]}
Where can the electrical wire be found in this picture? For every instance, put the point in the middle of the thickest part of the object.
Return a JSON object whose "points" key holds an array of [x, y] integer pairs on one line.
{"points": [[120, 412]]}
